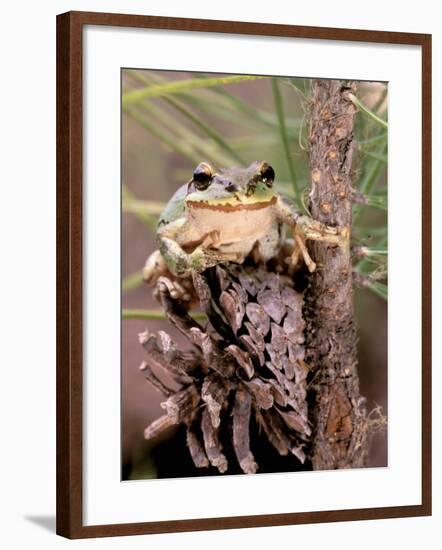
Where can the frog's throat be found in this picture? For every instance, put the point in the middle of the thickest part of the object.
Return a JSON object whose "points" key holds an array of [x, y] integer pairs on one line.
{"points": [[203, 205]]}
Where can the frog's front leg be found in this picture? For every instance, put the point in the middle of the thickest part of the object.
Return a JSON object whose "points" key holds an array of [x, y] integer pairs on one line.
{"points": [[203, 256], [182, 264], [304, 228]]}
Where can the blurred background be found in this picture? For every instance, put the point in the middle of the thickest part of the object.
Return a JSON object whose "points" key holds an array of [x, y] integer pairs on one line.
{"points": [[171, 121]]}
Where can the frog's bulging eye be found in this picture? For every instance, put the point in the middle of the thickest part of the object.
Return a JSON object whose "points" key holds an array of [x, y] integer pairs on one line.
{"points": [[267, 174], [202, 176]]}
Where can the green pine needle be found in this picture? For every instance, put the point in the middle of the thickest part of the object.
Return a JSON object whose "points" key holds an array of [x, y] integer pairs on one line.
{"points": [[155, 314], [179, 86], [367, 111], [284, 138]]}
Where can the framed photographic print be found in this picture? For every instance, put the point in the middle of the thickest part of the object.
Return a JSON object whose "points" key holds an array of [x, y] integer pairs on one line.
{"points": [[243, 274]]}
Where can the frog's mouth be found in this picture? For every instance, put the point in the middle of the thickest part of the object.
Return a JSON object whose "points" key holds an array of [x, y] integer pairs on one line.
{"points": [[228, 207]]}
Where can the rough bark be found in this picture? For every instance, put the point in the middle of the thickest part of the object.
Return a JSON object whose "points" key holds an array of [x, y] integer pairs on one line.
{"points": [[337, 411]]}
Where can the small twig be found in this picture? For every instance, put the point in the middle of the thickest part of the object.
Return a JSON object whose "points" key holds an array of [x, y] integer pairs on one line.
{"points": [[366, 110], [364, 251]]}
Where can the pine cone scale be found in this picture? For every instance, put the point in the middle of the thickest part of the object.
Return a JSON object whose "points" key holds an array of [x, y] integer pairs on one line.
{"points": [[251, 368]]}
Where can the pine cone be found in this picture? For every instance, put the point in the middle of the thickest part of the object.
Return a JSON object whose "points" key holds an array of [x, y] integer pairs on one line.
{"points": [[247, 365]]}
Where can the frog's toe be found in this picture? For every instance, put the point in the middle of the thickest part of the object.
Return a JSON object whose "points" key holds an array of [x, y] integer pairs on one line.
{"points": [[154, 268], [212, 239], [174, 288]]}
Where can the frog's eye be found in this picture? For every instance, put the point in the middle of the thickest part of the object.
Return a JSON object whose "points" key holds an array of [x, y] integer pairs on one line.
{"points": [[267, 174], [202, 176]]}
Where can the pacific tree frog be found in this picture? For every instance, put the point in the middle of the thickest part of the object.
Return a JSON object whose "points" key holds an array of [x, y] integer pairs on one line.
{"points": [[222, 216]]}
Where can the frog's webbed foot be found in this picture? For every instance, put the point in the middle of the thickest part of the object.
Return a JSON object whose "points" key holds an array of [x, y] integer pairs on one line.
{"points": [[213, 255], [308, 228], [314, 230], [156, 270], [178, 290], [211, 240]]}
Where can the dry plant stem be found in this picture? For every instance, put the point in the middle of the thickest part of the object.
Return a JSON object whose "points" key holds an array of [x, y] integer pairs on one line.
{"points": [[338, 416]]}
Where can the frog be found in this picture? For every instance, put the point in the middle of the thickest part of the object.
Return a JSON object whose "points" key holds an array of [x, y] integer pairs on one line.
{"points": [[225, 215]]}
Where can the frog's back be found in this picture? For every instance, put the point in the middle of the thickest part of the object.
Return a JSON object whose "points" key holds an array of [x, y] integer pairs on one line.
{"points": [[174, 208]]}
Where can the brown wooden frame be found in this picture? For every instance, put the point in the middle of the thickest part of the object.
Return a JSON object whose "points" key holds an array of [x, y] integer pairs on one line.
{"points": [[69, 273]]}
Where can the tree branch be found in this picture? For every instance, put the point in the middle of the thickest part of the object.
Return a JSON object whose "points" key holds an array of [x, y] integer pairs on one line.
{"points": [[338, 415]]}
